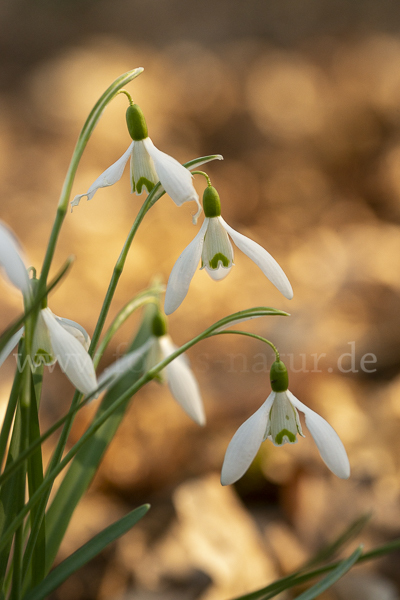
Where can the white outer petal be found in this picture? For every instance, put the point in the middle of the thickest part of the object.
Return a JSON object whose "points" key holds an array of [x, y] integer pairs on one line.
{"points": [[76, 330], [174, 177], [11, 259], [183, 271], [262, 259], [73, 358], [182, 382], [9, 347], [109, 177], [244, 445], [327, 440], [122, 365]]}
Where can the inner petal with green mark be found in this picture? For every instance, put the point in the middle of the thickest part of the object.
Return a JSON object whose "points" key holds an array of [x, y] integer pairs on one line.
{"points": [[284, 423], [217, 251], [42, 351], [143, 172], [43, 357]]}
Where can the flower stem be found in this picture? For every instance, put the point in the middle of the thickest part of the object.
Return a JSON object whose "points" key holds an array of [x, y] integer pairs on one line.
{"points": [[204, 174], [252, 335], [127, 94]]}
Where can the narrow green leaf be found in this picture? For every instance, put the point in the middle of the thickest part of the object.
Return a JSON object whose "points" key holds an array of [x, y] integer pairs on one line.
{"points": [[7, 495], [344, 538], [9, 416], [86, 553], [36, 546], [332, 578]]}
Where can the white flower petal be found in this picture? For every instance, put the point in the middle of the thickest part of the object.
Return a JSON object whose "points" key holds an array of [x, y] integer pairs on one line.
{"points": [[174, 177], [262, 259], [74, 360], [217, 250], [122, 365], [9, 347], [11, 259], [76, 330], [218, 274], [183, 271], [42, 348], [182, 383], [328, 442], [244, 445], [143, 171], [109, 177]]}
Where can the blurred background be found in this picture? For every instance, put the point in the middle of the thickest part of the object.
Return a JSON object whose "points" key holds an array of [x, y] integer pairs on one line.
{"points": [[302, 98]]}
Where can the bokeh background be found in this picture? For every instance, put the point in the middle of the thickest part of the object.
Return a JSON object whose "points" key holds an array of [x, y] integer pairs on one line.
{"points": [[302, 97]]}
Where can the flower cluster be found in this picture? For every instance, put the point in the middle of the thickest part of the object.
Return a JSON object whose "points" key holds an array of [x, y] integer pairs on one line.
{"points": [[56, 339]]}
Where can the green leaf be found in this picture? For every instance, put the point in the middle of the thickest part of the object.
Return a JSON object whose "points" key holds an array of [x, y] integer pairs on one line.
{"points": [[86, 553], [332, 578], [35, 550], [344, 538]]}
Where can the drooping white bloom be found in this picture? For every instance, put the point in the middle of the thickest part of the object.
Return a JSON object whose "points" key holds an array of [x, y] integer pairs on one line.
{"points": [[181, 381], [278, 420], [148, 167], [11, 259], [177, 373], [54, 338], [213, 247], [63, 340]]}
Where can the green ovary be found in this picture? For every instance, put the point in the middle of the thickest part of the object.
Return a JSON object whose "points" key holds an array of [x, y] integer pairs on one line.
{"points": [[214, 262]]}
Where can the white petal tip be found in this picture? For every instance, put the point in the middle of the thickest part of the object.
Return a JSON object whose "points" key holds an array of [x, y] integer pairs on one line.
{"points": [[77, 199], [288, 293], [196, 216]]}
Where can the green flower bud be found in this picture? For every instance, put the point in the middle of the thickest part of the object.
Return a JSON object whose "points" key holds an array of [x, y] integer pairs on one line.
{"points": [[159, 326], [136, 123], [211, 202], [279, 377]]}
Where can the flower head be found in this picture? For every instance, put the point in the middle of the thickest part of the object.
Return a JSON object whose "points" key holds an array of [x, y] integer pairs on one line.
{"points": [[278, 420], [54, 338], [213, 247], [177, 374], [148, 166]]}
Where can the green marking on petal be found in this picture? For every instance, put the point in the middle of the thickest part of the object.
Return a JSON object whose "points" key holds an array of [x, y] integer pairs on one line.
{"points": [[279, 437], [43, 357], [214, 262], [143, 182]]}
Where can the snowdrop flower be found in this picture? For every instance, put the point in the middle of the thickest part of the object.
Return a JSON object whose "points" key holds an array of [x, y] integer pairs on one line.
{"points": [[213, 246], [148, 166], [278, 420], [177, 374], [54, 338]]}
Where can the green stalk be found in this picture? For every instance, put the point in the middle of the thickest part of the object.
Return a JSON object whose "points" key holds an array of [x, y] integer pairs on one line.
{"points": [[20, 491], [36, 546], [9, 416], [252, 335]]}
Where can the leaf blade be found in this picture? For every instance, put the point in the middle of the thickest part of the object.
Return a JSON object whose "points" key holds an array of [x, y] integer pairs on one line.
{"points": [[86, 552]]}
